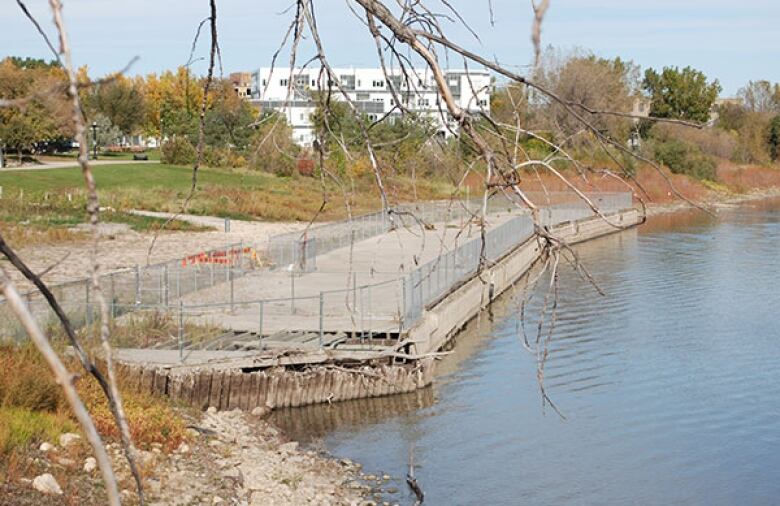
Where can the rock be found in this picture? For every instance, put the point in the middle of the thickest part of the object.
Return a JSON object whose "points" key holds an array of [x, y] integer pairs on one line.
{"points": [[289, 447], [211, 410], [391, 490], [46, 484], [66, 462], [217, 500], [183, 448], [46, 447], [146, 457], [90, 464], [386, 477], [68, 438], [260, 411]]}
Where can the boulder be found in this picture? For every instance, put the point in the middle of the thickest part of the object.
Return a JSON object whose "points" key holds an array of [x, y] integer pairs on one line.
{"points": [[90, 464], [68, 439]]}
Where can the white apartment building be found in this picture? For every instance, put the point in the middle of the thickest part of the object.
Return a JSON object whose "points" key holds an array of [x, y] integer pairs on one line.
{"points": [[369, 90]]}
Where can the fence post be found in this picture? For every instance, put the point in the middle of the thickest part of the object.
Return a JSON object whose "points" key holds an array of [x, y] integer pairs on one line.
{"points": [[362, 314], [87, 309], [181, 331], [370, 320], [403, 306], [232, 293], [322, 307], [165, 284], [354, 291], [292, 292], [113, 291], [260, 326], [137, 284]]}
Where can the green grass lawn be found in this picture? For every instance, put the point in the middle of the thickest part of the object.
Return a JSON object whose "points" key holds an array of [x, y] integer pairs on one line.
{"points": [[132, 177], [237, 193]]}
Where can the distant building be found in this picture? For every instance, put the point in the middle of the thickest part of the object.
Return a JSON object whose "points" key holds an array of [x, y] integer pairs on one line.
{"points": [[242, 83], [370, 92], [641, 107]]}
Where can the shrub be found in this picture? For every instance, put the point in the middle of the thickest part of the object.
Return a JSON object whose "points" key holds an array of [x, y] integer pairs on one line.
{"points": [[178, 151], [711, 141], [683, 158], [222, 158]]}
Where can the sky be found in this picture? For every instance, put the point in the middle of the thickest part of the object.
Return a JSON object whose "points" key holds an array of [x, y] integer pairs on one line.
{"points": [[732, 41]]}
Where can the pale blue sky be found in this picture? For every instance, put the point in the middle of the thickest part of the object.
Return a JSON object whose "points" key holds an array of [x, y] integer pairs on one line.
{"points": [[731, 41]]}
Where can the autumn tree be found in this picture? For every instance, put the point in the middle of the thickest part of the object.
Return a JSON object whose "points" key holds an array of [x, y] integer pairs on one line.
{"points": [[43, 117], [590, 84], [681, 94]]}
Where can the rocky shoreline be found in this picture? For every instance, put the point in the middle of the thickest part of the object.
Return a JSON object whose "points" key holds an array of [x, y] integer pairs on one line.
{"points": [[229, 458]]}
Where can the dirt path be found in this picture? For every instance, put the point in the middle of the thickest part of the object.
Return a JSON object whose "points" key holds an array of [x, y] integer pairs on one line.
{"points": [[122, 248]]}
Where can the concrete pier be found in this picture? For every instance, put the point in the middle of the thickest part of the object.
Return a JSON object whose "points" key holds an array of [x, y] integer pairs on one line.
{"points": [[394, 359]]}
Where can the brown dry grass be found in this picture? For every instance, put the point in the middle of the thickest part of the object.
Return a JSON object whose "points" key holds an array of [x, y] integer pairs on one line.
{"points": [[34, 409], [746, 178]]}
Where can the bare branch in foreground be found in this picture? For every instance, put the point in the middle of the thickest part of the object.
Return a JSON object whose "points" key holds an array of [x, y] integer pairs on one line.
{"points": [[93, 209]]}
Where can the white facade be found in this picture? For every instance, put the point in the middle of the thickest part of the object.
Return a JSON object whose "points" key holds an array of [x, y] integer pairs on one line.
{"points": [[369, 90]]}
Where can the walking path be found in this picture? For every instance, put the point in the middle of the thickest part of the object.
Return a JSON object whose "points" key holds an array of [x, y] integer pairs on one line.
{"points": [[74, 164]]}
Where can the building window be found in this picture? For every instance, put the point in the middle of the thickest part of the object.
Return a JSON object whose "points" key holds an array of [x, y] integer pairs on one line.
{"points": [[264, 82], [359, 83], [482, 103], [313, 83], [423, 102], [283, 82], [378, 84]]}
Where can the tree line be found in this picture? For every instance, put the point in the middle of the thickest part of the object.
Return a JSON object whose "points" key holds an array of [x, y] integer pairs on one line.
{"points": [[165, 106]]}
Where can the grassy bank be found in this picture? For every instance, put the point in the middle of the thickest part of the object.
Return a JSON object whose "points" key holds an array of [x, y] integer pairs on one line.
{"points": [[237, 194]]}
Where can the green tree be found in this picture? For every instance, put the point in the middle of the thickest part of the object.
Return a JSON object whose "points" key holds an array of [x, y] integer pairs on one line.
{"points": [[121, 102], [272, 149], [682, 94], [774, 138], [229, 121]]}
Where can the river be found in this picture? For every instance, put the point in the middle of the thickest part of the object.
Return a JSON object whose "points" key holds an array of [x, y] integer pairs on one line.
{"points": [[670, 384]]}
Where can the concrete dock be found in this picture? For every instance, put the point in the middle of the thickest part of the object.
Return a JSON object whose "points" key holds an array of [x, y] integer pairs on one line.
{"points": [[339, 341]]}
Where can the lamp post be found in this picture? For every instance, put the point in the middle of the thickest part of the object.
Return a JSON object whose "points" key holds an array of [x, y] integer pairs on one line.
{"points": [[94, 140]]}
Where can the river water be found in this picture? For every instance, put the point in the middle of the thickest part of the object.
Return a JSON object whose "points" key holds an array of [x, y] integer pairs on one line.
{"points": [[670, 384]]}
